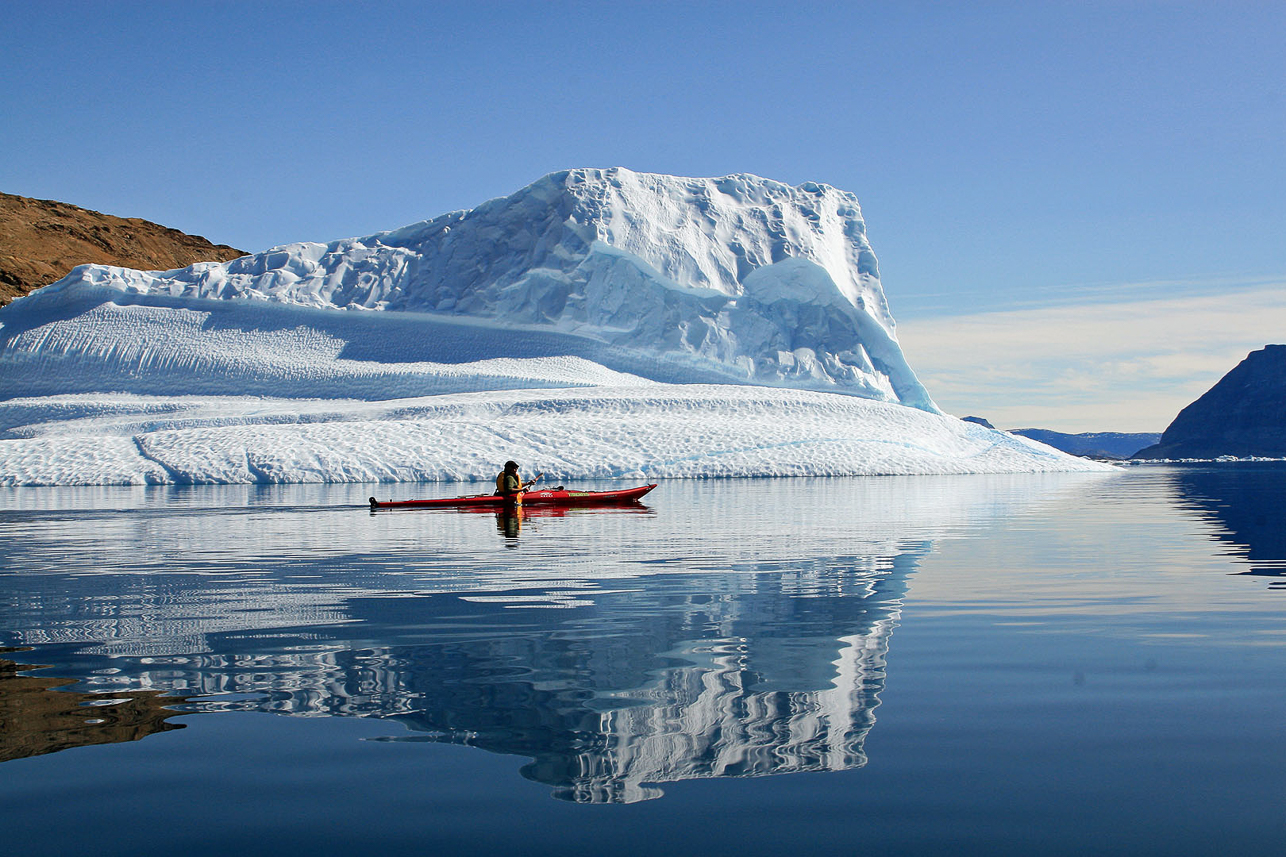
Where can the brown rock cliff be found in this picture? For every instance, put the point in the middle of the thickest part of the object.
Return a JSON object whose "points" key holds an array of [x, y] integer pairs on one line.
{"points": [[41, 241]]}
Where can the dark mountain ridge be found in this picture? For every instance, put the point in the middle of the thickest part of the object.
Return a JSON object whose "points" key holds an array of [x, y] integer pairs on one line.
{"points": [[1244, 414]]}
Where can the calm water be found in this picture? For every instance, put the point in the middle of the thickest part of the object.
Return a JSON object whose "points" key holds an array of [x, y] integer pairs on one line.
{"points": [[1058, 664]]}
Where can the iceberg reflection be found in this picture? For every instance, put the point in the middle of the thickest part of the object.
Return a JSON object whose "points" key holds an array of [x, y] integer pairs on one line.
{"points": [[732, 631], [692, 676], [772, 684]]}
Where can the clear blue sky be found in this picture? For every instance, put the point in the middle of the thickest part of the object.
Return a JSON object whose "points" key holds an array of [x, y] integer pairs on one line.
{"points": [[1007, 155]]}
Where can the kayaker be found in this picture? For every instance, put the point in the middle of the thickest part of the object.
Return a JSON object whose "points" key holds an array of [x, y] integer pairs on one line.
{"points": [[509, 483]]}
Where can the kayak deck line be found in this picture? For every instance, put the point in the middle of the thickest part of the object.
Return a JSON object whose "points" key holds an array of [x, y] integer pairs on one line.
{"points": [[547, 497]]}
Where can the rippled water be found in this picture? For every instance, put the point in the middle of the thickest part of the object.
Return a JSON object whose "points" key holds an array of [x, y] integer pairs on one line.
{"points": [[999, 664]]}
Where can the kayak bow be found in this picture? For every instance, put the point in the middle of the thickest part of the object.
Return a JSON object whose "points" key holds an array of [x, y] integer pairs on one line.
{"points": [[550, 497]]}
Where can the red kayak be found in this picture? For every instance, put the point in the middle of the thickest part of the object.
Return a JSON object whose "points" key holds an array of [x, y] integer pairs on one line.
{"points": [[551, 497]]}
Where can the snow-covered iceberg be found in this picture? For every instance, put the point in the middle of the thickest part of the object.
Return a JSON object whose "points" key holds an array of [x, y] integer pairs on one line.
{"points": [[730, 280], [598, 322]]}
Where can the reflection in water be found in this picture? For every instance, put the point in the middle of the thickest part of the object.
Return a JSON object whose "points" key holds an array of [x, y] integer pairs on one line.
{"points": [[1247, 500], [743, 675], [509, 519], [740, 681], [509, 522], [615, 649], [38, 716]]}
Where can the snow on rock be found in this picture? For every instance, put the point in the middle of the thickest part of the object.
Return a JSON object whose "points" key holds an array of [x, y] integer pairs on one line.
{"points": [[599, 323]]}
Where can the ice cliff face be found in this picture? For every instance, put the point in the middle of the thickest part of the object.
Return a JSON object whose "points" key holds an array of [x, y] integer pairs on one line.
{"points": [[735, 279]]}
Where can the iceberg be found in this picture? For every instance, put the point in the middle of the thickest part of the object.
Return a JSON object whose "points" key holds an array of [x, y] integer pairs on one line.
{"points": [[598, 323]]}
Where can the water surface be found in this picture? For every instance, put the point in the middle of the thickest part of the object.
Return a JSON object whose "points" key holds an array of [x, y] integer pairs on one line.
{"points": [[992, 664]]}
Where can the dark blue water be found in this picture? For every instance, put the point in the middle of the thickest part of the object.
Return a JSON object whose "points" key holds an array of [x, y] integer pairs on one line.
{"points": [[1052, 664]]}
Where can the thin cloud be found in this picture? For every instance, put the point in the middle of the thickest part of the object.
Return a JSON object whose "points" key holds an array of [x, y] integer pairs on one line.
{"points": [[1128, 366]]}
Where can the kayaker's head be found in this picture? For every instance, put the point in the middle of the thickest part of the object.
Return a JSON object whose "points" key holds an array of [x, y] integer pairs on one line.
{"points": [[511, 466]]}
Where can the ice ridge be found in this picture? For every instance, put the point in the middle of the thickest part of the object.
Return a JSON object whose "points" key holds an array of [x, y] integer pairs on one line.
{"points": [[735, 279]]}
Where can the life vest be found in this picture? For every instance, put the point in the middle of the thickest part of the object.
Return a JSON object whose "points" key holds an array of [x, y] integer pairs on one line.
{"points": [[506, 484]]}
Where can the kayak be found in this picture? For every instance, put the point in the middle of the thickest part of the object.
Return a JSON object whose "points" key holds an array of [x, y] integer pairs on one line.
{"points": [[550, 497]]}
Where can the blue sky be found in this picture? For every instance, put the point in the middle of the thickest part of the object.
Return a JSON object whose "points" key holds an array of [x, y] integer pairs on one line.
{"points": [[1010, 157]]}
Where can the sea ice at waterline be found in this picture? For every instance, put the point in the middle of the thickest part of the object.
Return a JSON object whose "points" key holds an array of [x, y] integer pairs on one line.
{"points": [[648, 431]]}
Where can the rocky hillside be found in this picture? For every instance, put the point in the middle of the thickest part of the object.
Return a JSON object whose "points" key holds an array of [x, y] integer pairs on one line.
{"points": [[41, 241], [1242, 415]]}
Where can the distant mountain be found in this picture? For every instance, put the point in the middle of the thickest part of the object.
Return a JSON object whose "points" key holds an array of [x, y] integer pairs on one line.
{"points": [[1242, 415], [41, 241], [1098, 444]]}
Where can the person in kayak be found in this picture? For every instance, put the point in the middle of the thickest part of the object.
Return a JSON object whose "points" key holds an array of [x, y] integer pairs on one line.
{"points": [[509, 483]]}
